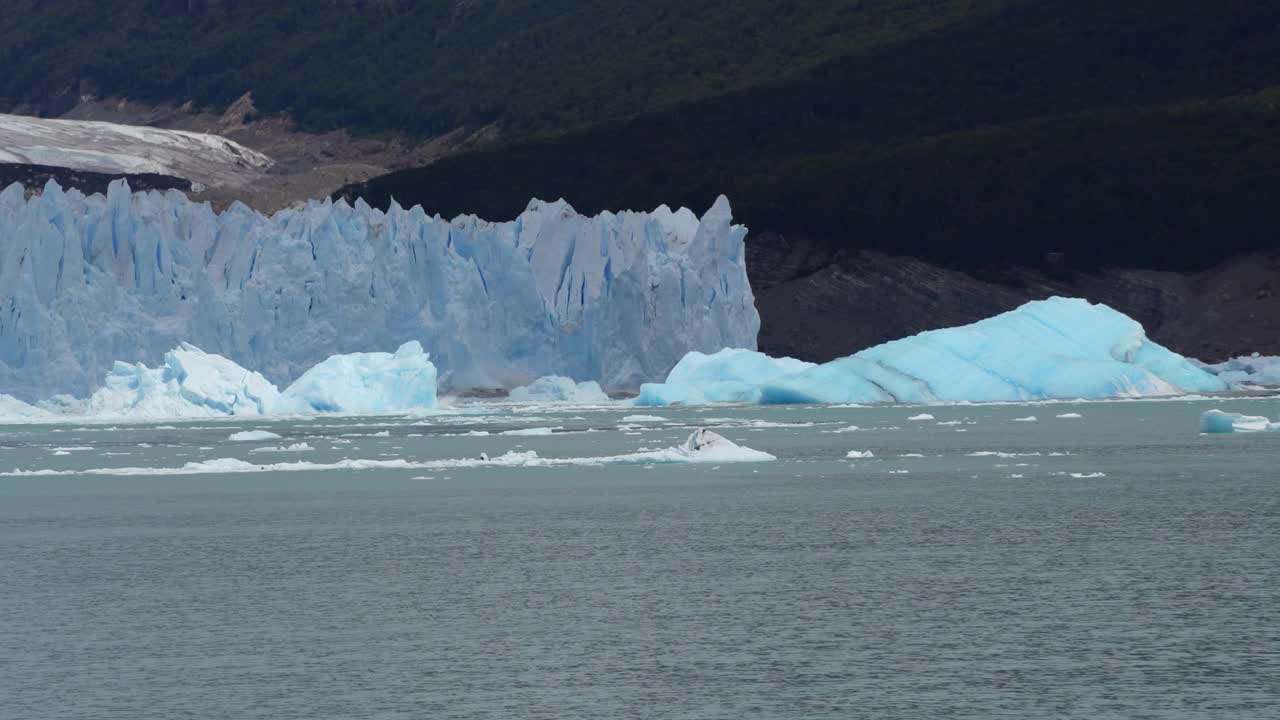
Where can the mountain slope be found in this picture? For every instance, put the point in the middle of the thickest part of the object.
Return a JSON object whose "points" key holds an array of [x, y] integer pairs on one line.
{"points": [[429, 66]]}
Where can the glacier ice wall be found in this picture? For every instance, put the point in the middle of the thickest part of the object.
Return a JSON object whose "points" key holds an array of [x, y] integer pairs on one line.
{"points": [[617, 298]]}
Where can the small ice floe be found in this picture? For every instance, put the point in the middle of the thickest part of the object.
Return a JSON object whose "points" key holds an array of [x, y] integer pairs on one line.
{"points": [[859, 454], [950, 422], [643, 419], [1029, 418], [536, 431], [384, 433], [252, 436], [847, 429], [997, 453], [1069, 416], [921, 417], [703, 446], [1080, 476], [69, 450], [295, 447], [911, 455], [1217, 422]]}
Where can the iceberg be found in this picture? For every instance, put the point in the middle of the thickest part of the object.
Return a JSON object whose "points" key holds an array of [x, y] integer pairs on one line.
{"points": [[554, 388], [13, 410], [1055, 348], [1217, 421], [190, 384], [364, 383], [1252, 369], [617, 298], [730, 375]]}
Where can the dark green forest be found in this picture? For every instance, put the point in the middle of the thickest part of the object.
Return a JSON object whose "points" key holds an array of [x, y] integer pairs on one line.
{"points": [[969, 131]]}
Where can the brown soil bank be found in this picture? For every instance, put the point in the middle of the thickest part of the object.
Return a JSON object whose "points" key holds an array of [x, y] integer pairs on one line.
{"points": [[818, 305]]}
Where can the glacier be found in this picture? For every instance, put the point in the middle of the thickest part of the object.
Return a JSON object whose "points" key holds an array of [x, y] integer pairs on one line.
{"points": [[1055, 348], [363, 384], [615, 298], [554, 388], [207, 160]]}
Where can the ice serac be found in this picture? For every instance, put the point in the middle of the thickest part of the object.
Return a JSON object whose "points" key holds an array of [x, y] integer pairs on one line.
{"points": [[616, 298], [1055, 348], [554, 388], [190, 383], [363, 383]]}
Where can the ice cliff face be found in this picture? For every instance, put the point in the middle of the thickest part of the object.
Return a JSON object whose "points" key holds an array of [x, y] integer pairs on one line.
{"points": [[618, 298]]}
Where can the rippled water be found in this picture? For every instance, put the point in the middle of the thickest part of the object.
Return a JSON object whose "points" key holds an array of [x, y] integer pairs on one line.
{"points": [[1114, 565]]}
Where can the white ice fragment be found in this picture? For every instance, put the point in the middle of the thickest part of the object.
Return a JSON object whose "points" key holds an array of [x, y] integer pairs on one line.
{"points": [[252, 436], [921, 416], [860, 454], [555, 388]]}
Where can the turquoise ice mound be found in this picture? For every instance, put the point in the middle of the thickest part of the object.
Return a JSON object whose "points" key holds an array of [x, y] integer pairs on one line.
{"points": [[555, 388], [369, 383], [1055, 348], [728, 376]]}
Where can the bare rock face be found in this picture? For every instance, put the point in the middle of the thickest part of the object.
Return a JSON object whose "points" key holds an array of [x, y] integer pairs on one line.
{"points": [[820, 305]]}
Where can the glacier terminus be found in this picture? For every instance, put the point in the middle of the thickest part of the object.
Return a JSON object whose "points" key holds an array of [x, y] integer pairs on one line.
{"points": [[86, 281]]}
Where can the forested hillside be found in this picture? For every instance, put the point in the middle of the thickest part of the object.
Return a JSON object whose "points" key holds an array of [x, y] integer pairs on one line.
{"points": [[969, 131]]}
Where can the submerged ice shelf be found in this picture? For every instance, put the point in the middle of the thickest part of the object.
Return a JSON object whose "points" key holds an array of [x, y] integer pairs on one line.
{"points": [[616, 298], [1055, 348]]}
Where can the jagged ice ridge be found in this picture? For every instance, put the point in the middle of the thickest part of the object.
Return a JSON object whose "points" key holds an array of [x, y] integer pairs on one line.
{"points": [[617, 298]]}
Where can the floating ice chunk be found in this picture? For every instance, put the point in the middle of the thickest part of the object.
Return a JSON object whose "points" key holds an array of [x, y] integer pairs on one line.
{"points": [[1217, 421], [860, 454], [191, 383], [14, 410], [921, 416], [1069, 416], [364, 383], [1029, 418], [728, 376], [642, 419], [295, 447], [531, 431], [252, 436], [554, 388], [1252, 369], [703, 446], [1081, 476], [1055, 348]]}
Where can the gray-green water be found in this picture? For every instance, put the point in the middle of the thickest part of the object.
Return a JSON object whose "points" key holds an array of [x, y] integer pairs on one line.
{"points": [[1114, 565]]}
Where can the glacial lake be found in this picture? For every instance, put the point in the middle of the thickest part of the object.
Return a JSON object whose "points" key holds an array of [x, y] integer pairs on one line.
{"points": [[977, 565]]}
